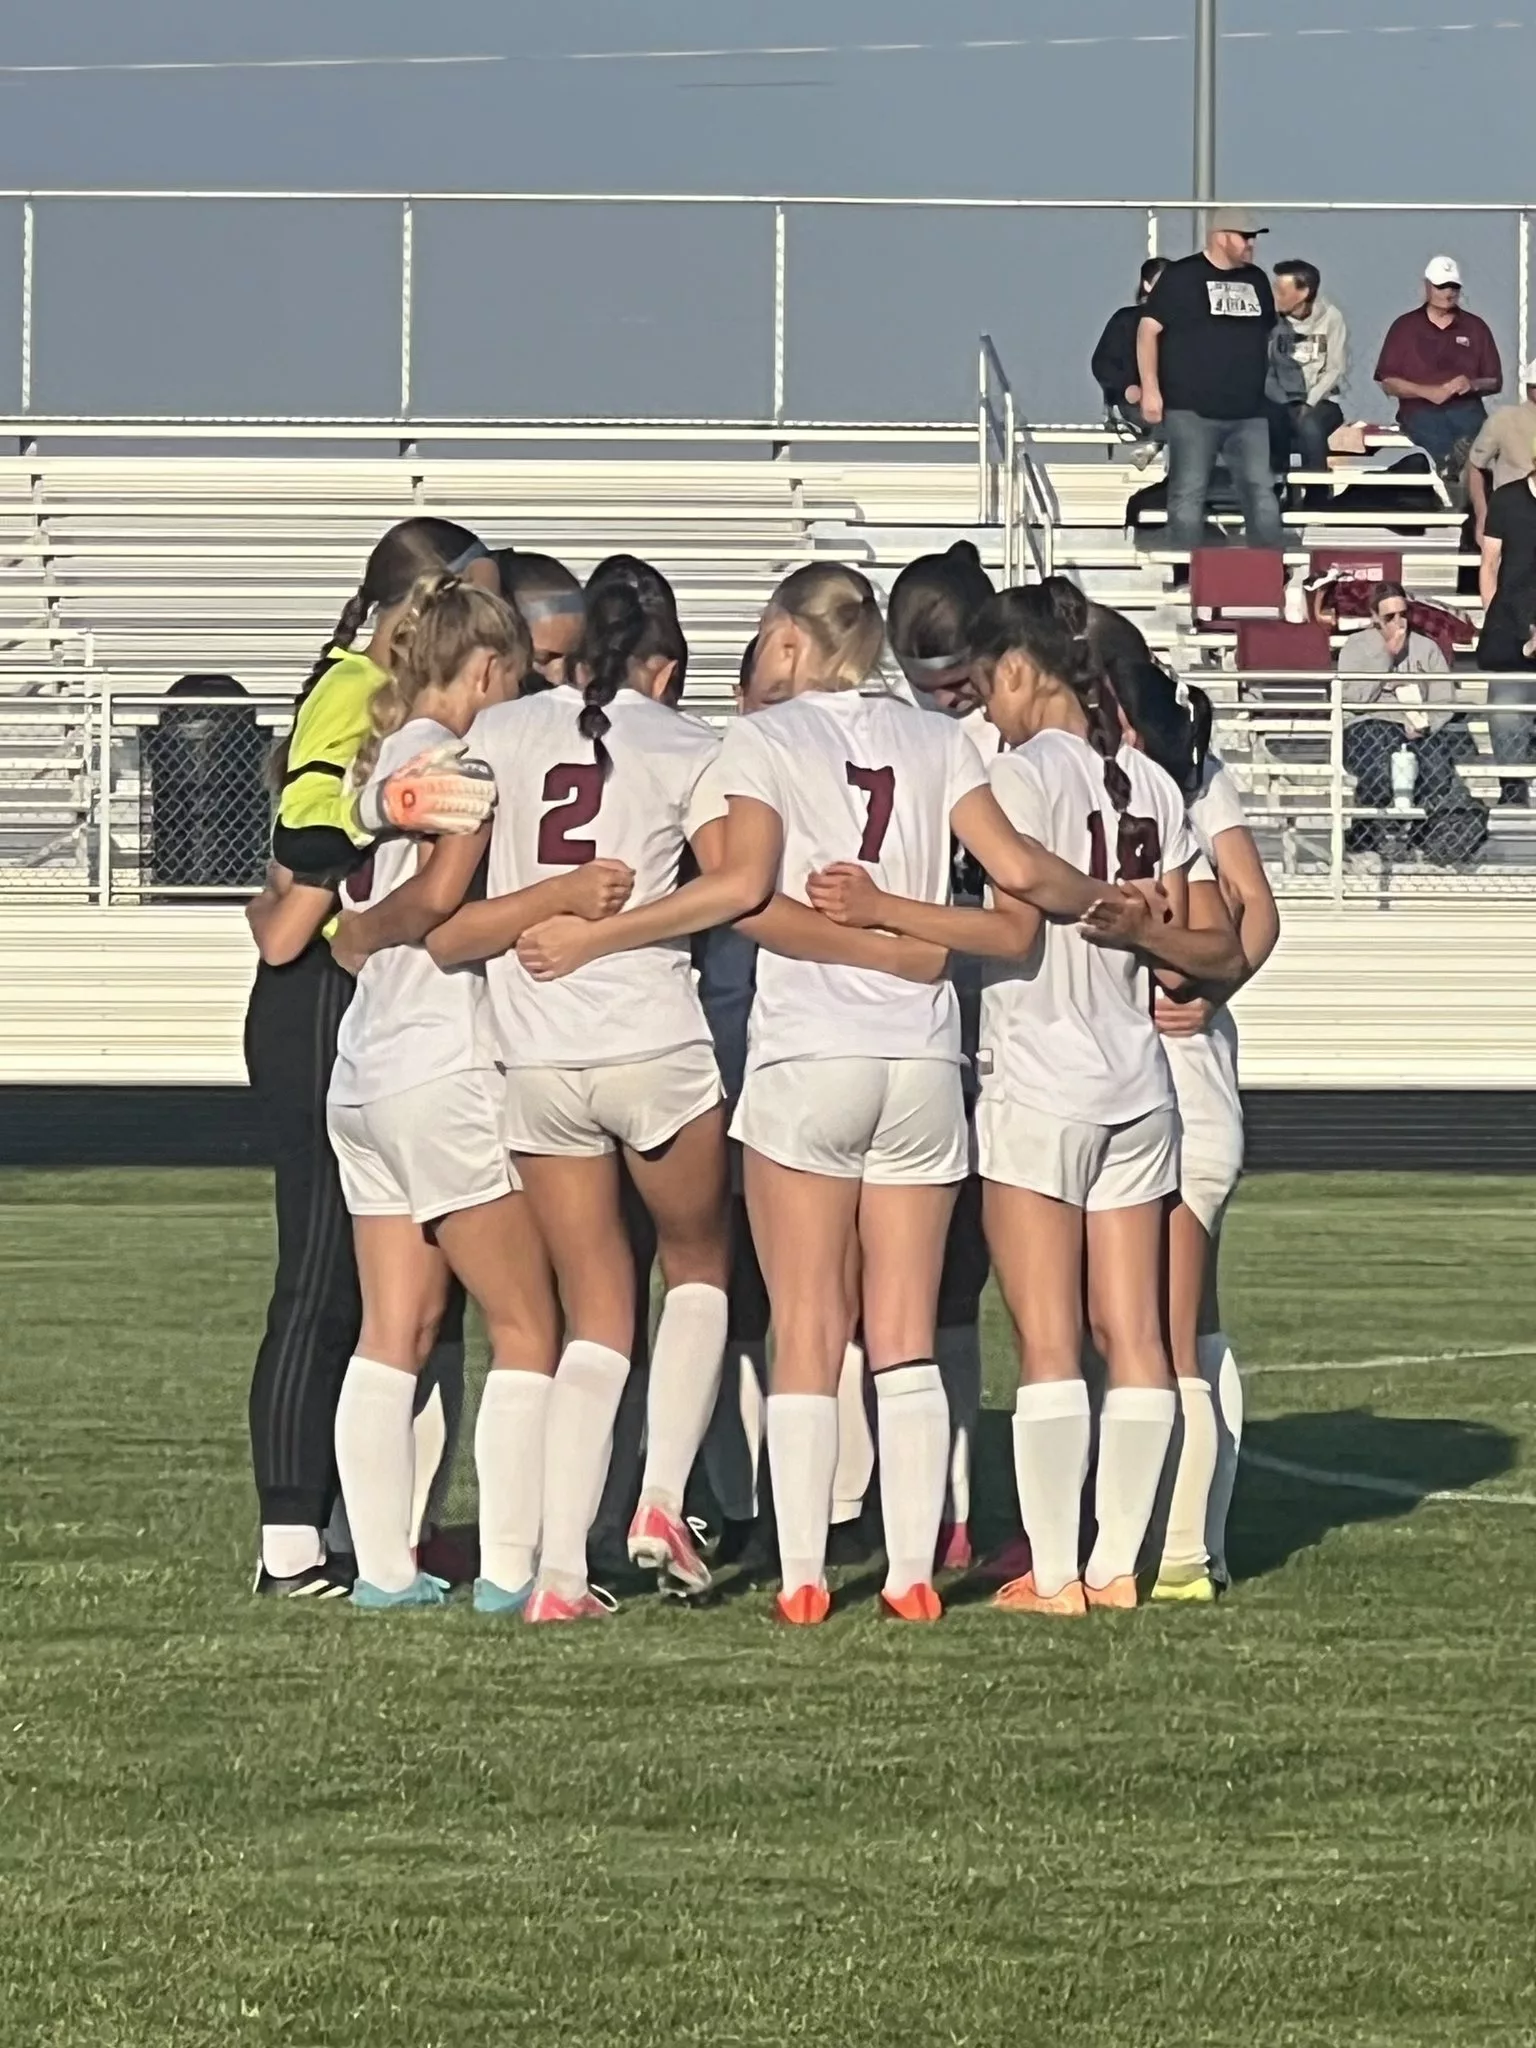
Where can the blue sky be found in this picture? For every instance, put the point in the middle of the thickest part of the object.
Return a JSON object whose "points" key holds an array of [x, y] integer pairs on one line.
{"points": [[211, 309]]}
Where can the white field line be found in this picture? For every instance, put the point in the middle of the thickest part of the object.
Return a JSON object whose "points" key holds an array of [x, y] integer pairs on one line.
{"points": [[1395, 1359], [1370, 1482], [246, 64]]}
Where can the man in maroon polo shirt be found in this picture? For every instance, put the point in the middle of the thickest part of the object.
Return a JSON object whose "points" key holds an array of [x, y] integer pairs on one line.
{"points": [[1439, 362]]}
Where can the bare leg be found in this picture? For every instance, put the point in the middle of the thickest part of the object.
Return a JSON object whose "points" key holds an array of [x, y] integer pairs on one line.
{"points": [[1037, 1252], [801, 1223], [1125, 1268]]}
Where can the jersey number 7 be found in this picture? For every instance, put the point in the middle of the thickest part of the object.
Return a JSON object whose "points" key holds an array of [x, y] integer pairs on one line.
{"points": [[879, 785], [575, 789]]}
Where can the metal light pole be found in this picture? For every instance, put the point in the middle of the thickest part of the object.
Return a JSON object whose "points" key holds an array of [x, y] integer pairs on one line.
{"points": [[1205, 113]]}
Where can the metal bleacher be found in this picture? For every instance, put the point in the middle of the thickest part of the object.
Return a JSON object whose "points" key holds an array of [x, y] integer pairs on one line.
{"points": [[121, 573]]}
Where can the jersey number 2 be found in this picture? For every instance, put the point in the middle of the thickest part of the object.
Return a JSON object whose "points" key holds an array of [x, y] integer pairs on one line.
{"points": [[879, 785], [575, 789], [1139, 847]]}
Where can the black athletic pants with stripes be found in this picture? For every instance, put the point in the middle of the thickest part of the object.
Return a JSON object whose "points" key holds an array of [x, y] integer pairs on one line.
{"points": [[312, 1322]]}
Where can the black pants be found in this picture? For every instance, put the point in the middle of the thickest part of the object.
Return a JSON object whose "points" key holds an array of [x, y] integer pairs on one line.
{"points": [[313, 1318]]}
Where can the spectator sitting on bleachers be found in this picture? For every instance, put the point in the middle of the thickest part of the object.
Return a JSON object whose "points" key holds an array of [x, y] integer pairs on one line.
{"points": [[1404, 677], [1438, 362], [1505, 449], [1114, 358], [1321, 350]]}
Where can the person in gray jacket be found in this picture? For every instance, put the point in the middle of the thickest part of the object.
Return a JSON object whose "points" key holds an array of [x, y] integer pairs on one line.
{"points": [[1321, 350], [1404, 679]]}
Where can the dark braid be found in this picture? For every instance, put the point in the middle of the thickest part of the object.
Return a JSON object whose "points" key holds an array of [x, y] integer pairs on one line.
{"points": [[1049, 622], [412, 549], [616, 627]]}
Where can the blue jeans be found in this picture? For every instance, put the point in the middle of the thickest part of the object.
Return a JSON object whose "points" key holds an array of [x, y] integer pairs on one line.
{"points": [[1437, 428], [1194, 445]]}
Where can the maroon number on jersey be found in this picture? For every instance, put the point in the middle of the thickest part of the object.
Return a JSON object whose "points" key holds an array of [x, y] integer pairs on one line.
{"points": [[575, 789], [1139, 849], [879, 785]]}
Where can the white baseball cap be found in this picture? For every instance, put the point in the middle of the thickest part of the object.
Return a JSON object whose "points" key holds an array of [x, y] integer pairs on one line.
{"points": [[1442, 270]]}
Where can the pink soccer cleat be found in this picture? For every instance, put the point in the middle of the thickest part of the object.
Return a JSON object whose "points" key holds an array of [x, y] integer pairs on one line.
{"points": [[662, 1542], [544, 1604]]}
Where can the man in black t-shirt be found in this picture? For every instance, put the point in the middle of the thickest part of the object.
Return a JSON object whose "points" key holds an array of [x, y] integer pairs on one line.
{"points": [[1507, 585], [1202, 350]]}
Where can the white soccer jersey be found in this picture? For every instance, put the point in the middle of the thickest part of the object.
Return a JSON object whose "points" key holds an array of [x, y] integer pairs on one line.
{"points": [[555, 810], [1069, 1028], [854, 775], [1210, 1058], [410, 1021]]}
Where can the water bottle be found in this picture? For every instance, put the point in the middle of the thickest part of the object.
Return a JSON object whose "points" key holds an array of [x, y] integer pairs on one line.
{"points": [[1405, 778]]}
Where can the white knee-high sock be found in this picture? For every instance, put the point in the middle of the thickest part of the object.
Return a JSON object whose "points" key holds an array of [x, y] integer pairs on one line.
{"points": [[578, 1442], [958, 1350], [802, 1454], [1134, 1430], [1051, 1432], [1184, 1541], [684, 1383], [1218, 1368], [913, 1418], [509, 1470], [733, 1443], [855, 1445], [376, 1458], [444, 1371], [429, 1439]]}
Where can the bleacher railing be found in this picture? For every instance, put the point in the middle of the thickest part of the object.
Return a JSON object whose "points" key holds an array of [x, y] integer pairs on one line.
{"points": [[116, 795], [774, 208]]}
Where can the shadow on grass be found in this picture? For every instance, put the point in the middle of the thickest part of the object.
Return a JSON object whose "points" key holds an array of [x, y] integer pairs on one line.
{"points": [[1373, 1468], [1305, 1474]]}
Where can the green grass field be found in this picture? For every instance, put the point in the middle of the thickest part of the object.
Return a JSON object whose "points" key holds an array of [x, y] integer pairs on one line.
{"points": [[1306, 1817]]}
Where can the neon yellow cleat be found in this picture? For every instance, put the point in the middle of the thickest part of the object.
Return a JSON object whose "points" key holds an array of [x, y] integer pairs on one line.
{"points": [[1189, 1587]]}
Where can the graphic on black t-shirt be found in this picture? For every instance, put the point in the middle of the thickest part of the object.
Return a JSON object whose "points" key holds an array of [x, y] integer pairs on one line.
{"points": [[1233, 300]]}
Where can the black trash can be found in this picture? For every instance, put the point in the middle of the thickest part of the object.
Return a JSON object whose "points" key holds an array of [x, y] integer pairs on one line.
{"points": [[204, 811]]}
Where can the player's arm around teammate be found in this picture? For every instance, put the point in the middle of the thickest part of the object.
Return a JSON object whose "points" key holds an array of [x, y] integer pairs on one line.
{"points": [[291, 1027], [415, 1118], [615, 1058], [1077, 1129]]}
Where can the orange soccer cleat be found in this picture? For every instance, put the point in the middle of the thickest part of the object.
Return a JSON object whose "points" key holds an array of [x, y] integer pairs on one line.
{"points": [[918, 1603], [805, 1607], [1019, 1596], [546, 1605], [1119, 1593]]}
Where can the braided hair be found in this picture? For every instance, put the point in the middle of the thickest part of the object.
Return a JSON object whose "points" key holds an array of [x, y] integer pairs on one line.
{"points": [[1172, 721], [1048, 622], [445, 621], [413, 548], [631, 619]]}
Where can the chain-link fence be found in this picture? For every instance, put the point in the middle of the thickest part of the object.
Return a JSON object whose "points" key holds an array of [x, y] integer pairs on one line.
{"points": [[115, 796]]}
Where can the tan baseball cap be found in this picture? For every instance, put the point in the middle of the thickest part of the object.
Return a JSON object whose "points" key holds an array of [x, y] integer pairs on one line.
{"points": [[1236, 220]]}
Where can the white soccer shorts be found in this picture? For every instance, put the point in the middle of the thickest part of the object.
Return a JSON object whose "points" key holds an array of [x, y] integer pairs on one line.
{"points": [[1211, 1150], [427, 1152], [584, 1112], [1092, 1166], [889, 1123]]}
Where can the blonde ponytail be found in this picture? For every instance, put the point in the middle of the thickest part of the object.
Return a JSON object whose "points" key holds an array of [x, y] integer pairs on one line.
{"points": [[837, 608]]}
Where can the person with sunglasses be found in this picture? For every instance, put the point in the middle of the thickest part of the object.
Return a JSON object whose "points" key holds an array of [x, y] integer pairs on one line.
{"points": [[1404, 679], [1202, 356], [1440, 362]]}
